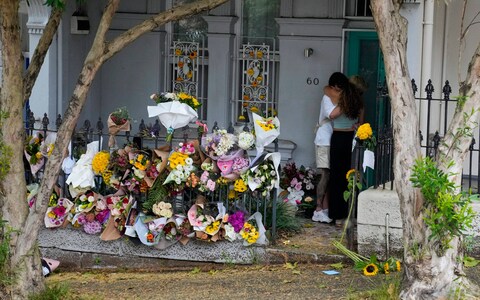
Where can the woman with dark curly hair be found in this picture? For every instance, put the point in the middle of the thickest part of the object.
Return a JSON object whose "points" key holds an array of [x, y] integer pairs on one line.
{"points": [[347, 116]]}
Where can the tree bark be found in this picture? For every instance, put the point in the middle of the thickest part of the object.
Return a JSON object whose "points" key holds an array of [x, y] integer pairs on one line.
{"points": [[25, 259], [14, 209], [428, 275]]}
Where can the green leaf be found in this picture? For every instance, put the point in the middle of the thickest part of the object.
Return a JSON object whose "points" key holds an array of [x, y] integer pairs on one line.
{"points": [[196, 270]]}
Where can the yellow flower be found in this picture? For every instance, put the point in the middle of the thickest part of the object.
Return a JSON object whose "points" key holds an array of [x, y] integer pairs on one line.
{"points": [[364, 131], [254, 109], [193, 55], [386, 268], [106, 175], [259, 54], [250, 72], [100, 162], [177, 158], [399, 267], [231, 194], [241, 118], [178, 51], [38, 155], [349, 173], [370, 270], [239, 185], [52, 215], [50, 149]]}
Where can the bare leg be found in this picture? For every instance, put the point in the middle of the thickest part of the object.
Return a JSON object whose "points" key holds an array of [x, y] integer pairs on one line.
{"points": [[322, 188]]}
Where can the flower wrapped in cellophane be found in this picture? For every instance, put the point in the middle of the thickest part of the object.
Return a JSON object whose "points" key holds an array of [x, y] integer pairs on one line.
{"points": [[33, 152], [174, 110], [253, 231], [119, 120], [57, 212], [266, 131], [82, 176], [263, 176]]}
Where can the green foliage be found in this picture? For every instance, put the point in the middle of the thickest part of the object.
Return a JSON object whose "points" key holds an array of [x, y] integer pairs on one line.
{"points": [[158, 192], [446, 212], [55, 3], [286, 220], [54, 292]]}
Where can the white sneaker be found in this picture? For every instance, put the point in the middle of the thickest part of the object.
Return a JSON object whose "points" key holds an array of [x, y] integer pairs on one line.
{"points": [[324, 216], [317, 216]]}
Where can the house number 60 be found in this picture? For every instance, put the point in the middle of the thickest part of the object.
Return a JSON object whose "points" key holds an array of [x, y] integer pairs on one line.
{"points": [[315, 81]]}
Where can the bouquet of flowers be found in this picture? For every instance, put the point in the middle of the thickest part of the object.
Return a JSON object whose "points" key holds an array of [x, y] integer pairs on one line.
{"points": [[33, 152], [365, 136], [162, 209], [100, 162], [220, 144], [253, 231], [56, 214], [246, 140], [174, 111], [181, 166], [298, 182], [263, 176], [118, 120], [266, 131]]}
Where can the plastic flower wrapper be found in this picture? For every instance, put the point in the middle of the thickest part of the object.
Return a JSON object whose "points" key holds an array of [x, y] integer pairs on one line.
{"points": [[85, 202], [56, 215], [117, 121], [170, 232], [181, 166], [263, 175], [216, 225], [82, 175], [148, 230], [32, 191], [48, 144], [197, 219], [266, 131], [33, 152], [253, 231], [172, 114]]}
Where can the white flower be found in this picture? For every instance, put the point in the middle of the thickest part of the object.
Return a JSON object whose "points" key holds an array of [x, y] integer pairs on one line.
{"points": [[91, 198], [172, 96], [153, 96], [189, 161]]}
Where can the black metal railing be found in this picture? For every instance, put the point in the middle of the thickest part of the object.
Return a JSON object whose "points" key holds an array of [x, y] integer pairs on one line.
{"points": [[435, 124]]}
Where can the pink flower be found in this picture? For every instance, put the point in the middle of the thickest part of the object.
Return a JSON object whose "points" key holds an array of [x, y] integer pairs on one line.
{"points": [[211, 185], [204, 177], [298, 186]]}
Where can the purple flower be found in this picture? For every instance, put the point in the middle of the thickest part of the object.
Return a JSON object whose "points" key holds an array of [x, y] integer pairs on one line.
{"points": [[103, 216], [237, 220], [92, 227]]}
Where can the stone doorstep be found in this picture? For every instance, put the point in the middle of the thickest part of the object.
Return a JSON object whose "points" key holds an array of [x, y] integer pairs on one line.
{"points": [[373, 206]]}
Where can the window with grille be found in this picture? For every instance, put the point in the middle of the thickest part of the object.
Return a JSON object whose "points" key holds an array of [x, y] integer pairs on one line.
{"points": [[357, 8], [257, 60], [188, 59]]}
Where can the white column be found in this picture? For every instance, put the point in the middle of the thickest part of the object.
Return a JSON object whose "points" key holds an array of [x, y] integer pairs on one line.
{"points": [[44, 94], [220, 49]]}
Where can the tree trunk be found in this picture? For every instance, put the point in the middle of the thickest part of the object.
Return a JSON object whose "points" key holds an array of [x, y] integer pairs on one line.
{"points": [[14, 209], [25, 259], [427, 275]]}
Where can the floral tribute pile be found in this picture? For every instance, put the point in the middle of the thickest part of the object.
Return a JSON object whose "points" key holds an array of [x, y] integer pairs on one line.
{"points": [[299, 185], [135, 192]]}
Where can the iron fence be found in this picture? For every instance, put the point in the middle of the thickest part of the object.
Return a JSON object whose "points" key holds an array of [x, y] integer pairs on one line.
{"points": [[435, 124]]}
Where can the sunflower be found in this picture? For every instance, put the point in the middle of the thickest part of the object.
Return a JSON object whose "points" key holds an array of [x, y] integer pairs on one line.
{"points": [[386, 268], [349, 173], [178, 52], [370, 270], [399, 267]]}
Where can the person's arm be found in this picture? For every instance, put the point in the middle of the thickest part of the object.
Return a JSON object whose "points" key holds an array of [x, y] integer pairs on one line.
{"points": [[336, 112]]}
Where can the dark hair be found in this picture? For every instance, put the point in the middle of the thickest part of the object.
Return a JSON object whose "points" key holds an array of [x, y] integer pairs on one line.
{"points": [[350, 101]]}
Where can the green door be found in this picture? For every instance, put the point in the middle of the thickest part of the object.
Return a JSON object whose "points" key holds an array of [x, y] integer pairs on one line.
{"points": [[363, 57]]}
